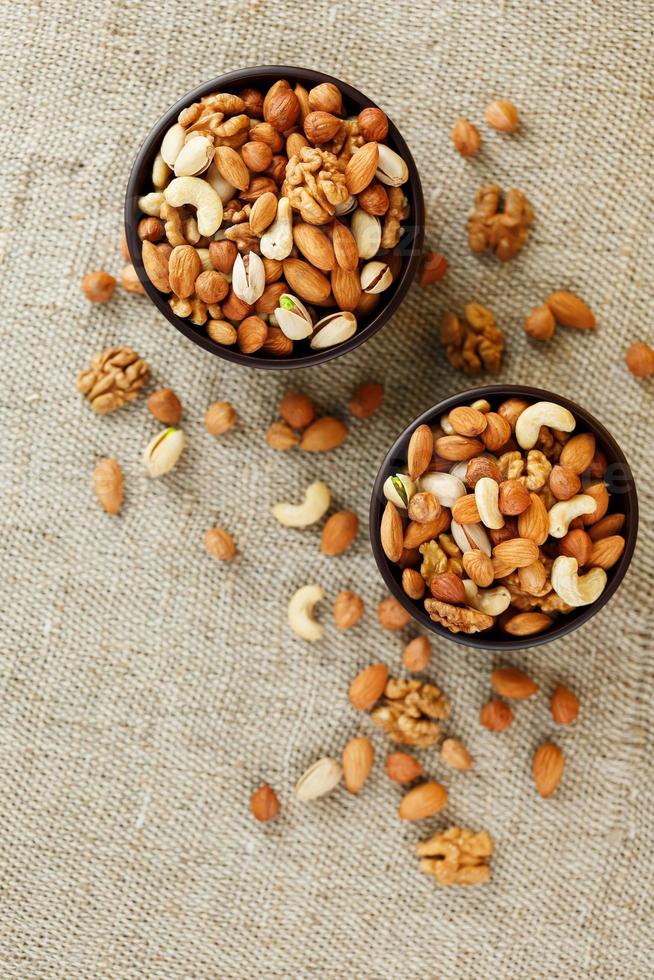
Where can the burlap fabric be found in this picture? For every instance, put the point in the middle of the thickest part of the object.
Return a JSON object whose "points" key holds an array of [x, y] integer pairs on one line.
{"points": [[147, 688]]}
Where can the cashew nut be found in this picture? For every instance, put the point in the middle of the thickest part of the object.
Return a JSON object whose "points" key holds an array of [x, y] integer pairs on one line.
{"points": [[150, 204], [482, 405], [300, 613], [172, 144], [399, 489], [316, 503], [277, 240], [565, 511], [541, 413], [446, 487], [487, 493], [575, 589], [471, 536], [199, 193], [493, 602], [160, 172]]}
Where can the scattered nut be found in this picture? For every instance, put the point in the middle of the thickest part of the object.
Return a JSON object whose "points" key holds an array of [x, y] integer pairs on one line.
{"points": [[219, 418], [402, 767], [281, 436], [358, 757], [108, 485], [368, 686], [571, 311], [392, 615], [496, 716], [366, 400], [433, 267], [323, 435], [297, 410], [98, 287], [165, 406], [339, 532], [456, 857], [503, 116], [499, 224], [547, 768], [455, 755], [320, 779], [411, 711], [348, 610], [640, 359], [115, 377], [564, 705], [466, 138], [264, 804], [511, 683], [314, 506], [472, 344], [540, 323], [300, 613], [417, 654], [220, 543], [424, 800]]}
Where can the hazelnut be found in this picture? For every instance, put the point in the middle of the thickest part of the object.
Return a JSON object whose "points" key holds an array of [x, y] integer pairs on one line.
{"points": [[348, 610], [424, 508], [374, 199], [417, 654], [235, 309], [513, 498], [211, 287], [466, 138], [223, 256], [640, 359], [277, 169], [321, 127], [297, 409], [540, 323], [257, 156], [392, 615], [251, 334], [281, 107], [264, 804], [432, 268], [219, 418], [98, 286], [326, 98], [220, 543], [253, 102], [479, 467], [165, 406], [150, 229], [281, 436], [366, 399], [294, 143], [564, 482], [502, 115], [130, 281], [373, 125]]}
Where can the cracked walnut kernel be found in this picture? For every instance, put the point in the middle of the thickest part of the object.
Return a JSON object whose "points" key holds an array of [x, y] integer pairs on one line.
{"points": [[315, 184], [458, 619], [456, 856], [410, 712], [114, 378], [474, 343], [499, 224]]}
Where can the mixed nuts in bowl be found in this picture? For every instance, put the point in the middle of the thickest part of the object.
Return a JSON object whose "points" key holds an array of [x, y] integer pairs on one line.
{"points": [[275, 216], [504, 517]]}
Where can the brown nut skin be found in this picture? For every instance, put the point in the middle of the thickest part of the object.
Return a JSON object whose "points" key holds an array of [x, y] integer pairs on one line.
{"points": [[339, 532], [511, 409], [253, 100], [466, 138], [540, 323], [211, 287], [165, 406], [392, 615], [563, 482], [325, 97], [373, 125], [348, 610], [640, 359], [402, 767], [413, 583], [433, 267], [547, 768], [564, 705], [374, 199], [368, 686], [513, 498], [503, 116], [496, 716], [150, 229], [222, 255], [221, 332], [98, 287], [511, 683], [219, 418], [257, 156], [281, 436], [297, 409], [417, 654], [264, 804], [366, 400], [321, 127], [480, 467], [220, 543], [251, 334], [281, 107], [448, 587]]}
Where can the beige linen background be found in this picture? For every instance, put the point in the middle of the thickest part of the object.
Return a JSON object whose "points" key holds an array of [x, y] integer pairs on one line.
{"points": [[147, 689]]}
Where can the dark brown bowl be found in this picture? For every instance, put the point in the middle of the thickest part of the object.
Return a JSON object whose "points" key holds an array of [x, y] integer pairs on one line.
{"points": [[409, 248], [623, 499]]}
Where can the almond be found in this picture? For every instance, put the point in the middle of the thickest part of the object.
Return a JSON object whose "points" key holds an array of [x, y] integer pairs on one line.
{"points": [[222, 332], [392, 615], [417, 653], [108, 485], [610, 524], [564, 482], [391, 532], [220, 543], [600, 494], [296, 409], [361, 168], [455, 755], [321, 127], [184, 267], [607, 551], [511, 683], [368, 686], [578, 452], [533, 578], [269, 299], [533, 522], [564, 705], [263, 213], [420, 451], [448, 587], [306, 281], [345, 247], [264, 804], [165, 406], [231, 167], [280, 436], [346, 287], [424, 508], [464, 510], [478, 567], [402, 767], [417, 533], [423, 801], [497, 432], [457, 448], [527, 623], [513, 498], [467, 421], [571, 311], [358, 757], [547, 768], [314, 245], [155, 263], [339, 532], [366, 399], [413, 583], [277, 343], [577, 544], [517, 552], [496, 716], [540, 324], [324, 434], [251, 334], [348, 610]]}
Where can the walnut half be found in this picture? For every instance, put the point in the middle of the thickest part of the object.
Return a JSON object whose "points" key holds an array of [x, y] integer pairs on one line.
{"points": [[410, 712], [456, 856], [458, 619]]}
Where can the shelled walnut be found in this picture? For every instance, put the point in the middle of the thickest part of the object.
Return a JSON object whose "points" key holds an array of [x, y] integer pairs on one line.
{"points": [[501, 224], [411, 711], [472, 343], [114, 378], [456, 856]]}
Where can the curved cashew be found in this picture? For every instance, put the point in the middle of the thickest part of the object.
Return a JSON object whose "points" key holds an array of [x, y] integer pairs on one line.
{"points": [[172, 144], [277, 241], [493, 602], [471, 536], [150, 204], [487, 493], [300, 613], [195, 191], [561, 514], [576, 590], [446, 487], [541, 413], [316, 503], [399, 489]]}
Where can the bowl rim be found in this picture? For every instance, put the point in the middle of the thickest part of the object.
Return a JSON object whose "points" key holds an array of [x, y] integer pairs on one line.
{"points": [[415, 233], [477, 640]]}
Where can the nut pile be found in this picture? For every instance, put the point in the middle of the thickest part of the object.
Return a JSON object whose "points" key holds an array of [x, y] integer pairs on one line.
{"points": [[274, 217], [504, 516]]}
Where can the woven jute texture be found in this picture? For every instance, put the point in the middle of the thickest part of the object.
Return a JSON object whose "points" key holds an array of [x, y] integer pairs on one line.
{"points": [[146, 688]]}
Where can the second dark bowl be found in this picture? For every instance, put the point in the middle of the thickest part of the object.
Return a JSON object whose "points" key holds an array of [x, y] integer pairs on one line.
{"points": [[409, 248], [623, 499]]}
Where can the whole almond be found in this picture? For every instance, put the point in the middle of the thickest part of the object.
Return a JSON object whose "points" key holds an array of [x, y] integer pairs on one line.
{"points": [[577, 544], [281, 436], [392, 615], [108, 485], [533, 522], [306, 281], [423, 801], [184, 267], [424, 508], [578, 452], [368, 686], [391, 532], [455, 755], [464, 510], [264, 804], [402, 767], [564, 705], [600, 494], [220, 543], [496, 716], [346, 287], [413, 583], [640, 359], [297, 409], [219, 418], [361, 167], [420, 451], [263, 213], [339, 532], [610, 524], [417, 654], [417, 532], [165, 406], [540, 323], [511, 683], [467, 421], [547, 768], [607, 551], [324, 434], [478, 567], [366, 399], [448, 587], [358, 757], [533, 578], [231, 167], [564, 482], [251, 334], [155, 263], [516, 552], [527, 623], [458, 448], [314, 245], [571, 311], [433, 268], [345, 247], [348, 610], [497, 432]]}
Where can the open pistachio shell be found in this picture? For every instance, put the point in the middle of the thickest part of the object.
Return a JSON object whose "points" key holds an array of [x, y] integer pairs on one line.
{"points": [[333, 329], [293, 318], [376, 277], [391, 168]]}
